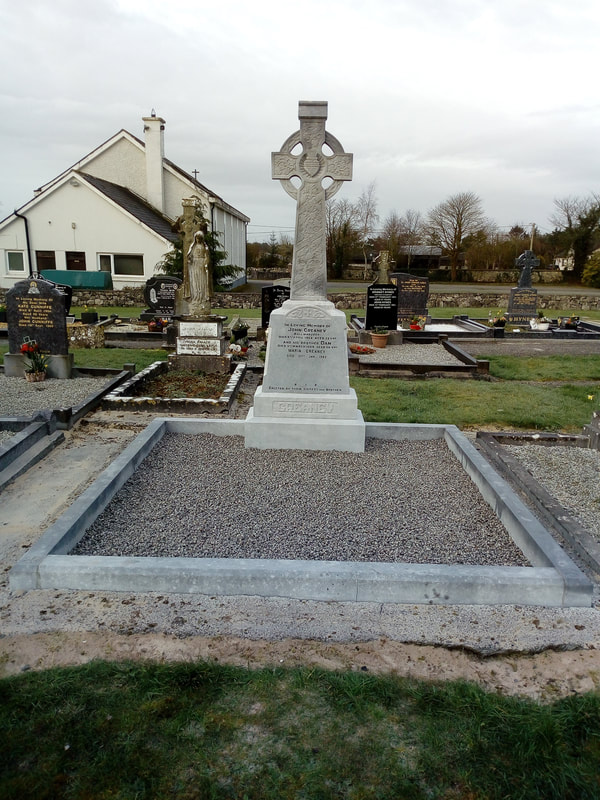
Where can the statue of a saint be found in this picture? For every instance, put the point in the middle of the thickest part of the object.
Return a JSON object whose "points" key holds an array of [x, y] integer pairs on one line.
{"points": [[197, 288]]}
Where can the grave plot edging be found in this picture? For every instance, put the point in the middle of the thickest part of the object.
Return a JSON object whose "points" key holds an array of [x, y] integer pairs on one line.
{"points": [[552, 581]]}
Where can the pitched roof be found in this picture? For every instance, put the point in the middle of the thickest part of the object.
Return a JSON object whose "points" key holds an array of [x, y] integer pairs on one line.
{"points": [[133, 204]]}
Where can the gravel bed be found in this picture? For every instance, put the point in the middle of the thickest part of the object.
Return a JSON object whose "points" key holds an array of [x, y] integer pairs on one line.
{"points": [[21, 399], [207, 496], [570, 474], [430, 354]]}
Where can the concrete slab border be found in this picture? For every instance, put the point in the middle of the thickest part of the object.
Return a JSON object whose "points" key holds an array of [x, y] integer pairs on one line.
{"points": [[122, 397], [554, 580]]}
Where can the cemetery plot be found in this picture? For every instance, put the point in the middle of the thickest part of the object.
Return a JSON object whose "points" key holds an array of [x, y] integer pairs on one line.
{"points": [[344, 489], [158, 388]]}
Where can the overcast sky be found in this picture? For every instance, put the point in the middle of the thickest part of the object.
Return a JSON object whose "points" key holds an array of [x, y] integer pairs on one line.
{"points": [[432, 97]]}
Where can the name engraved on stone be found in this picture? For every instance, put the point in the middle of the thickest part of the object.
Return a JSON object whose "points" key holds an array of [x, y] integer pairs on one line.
{"points": [[199, 328], [193, 346], [306, 340], [304, 407], [35, 310]]}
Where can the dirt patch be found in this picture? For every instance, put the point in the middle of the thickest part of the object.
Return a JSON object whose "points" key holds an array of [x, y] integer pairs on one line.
{"points": [[184, 383], [542, 676]]}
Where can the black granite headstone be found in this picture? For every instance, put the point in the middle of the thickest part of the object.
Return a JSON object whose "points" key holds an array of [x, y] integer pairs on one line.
{"points": [[159, 294], [522, 305], [35, 311], [382, 306], [272, 297], [413, 294]]}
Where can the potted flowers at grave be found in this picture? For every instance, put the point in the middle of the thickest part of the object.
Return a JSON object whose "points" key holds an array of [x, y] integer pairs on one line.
{"points": [[239, 331], [379, 336], [569, 323], [499, 320], [89, 316], [542, 323], [36, 363]]}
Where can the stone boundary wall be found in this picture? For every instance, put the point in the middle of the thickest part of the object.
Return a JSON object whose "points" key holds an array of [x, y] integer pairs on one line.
{"points": [[134, 296]]}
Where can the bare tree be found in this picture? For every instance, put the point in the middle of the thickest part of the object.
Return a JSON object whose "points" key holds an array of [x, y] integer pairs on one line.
{"points": [[453, 219], [342, 235], [411, 231], [367, 218]]}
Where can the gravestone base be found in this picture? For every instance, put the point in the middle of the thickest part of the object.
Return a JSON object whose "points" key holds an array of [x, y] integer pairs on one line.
{"points": [[209, 364], [58, 366], [200, 345], [304, 433], [305, 401], [522, 305]]}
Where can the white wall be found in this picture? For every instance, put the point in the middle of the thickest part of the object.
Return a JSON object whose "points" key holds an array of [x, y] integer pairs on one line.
{"points": [[100, 227], [122, 163]]}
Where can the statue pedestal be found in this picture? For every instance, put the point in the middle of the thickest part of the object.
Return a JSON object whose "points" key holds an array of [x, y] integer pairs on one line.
{"points": [[201, 345]]}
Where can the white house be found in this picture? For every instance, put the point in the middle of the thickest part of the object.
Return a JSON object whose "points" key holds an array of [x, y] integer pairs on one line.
{"points": [[113, 212]]}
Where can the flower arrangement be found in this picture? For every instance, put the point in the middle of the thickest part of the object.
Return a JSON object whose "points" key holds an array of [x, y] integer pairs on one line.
{"points": [[38, 362], [417, 323], [360, 349], [499, 321]]}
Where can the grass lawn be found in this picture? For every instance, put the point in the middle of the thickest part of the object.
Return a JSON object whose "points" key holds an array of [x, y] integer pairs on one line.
{"points": [[549, 393], [203, 730]]}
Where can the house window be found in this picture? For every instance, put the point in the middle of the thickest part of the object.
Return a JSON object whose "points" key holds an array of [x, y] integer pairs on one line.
{"points": [[75, 260], [45, 259], [121, 264], [15, 261]]}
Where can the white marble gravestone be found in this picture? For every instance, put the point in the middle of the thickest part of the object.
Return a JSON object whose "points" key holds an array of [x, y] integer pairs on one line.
{"points": [[305, 401]]}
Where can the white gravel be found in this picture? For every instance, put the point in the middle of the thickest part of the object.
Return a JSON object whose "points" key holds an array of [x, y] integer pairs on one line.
{"points": [[569, 474], [18, 398], [408, 353], [207, 496]]}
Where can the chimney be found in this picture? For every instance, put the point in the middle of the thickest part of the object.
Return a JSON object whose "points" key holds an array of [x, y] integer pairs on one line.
{"points": [[154, 134]]}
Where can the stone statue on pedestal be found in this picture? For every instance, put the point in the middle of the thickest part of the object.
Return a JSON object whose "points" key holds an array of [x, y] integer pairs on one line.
{"points": [[197, 287]]}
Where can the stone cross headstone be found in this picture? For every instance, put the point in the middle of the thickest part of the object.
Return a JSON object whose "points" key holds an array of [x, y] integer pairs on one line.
{"points": [[35, 311], [311, 166], [305, 401], [527, 262], [522, 303], [383, 275]]}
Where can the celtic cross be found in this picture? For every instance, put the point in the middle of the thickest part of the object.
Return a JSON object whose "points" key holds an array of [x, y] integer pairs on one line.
{"points": [[311, 165]]}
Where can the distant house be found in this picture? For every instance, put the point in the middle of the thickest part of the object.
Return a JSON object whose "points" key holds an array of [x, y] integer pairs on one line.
{"points": [[114, 212]]}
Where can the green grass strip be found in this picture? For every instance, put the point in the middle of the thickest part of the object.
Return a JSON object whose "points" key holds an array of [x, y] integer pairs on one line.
{"points": [[202, 730]]}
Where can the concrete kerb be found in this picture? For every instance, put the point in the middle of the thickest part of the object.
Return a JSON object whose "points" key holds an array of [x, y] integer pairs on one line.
{"points": [[126, 395], [554, 580]]}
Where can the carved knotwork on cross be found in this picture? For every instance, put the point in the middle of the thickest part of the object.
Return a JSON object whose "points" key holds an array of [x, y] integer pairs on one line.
{"points": [[311, 165]]}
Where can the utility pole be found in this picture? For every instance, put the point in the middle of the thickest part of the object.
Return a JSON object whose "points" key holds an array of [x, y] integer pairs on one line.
{"points": [[532, 235]]}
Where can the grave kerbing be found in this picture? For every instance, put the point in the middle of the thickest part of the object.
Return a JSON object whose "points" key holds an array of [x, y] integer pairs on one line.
{"points": [[306, 401]]}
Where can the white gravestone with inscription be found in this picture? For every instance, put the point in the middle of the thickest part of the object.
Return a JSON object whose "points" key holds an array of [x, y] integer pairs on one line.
{"points": [[305, 401]]}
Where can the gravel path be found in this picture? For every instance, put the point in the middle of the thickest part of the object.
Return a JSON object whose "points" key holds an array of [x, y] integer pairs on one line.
{"points": [[399, 501], [21, 399], [570, 474]]}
